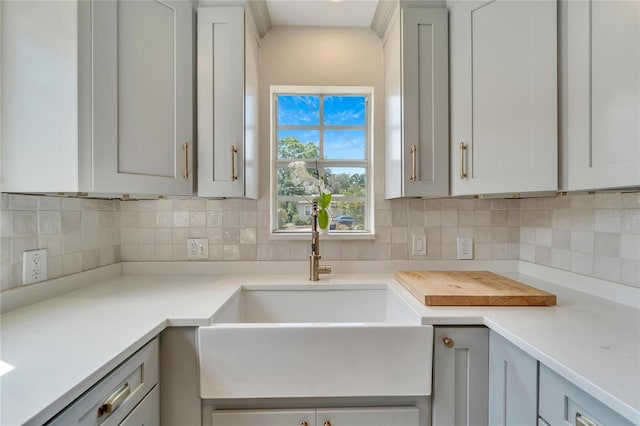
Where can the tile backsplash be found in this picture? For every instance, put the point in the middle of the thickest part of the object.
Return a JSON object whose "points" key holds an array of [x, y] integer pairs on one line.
{"points": [[592, 234]]}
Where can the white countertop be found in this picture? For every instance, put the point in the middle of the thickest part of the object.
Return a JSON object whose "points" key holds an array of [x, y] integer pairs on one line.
{"points": [[59, 347]]}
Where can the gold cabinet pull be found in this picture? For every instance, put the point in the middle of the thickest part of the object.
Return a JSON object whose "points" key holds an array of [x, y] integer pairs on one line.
{"points": [[413, 151], [327, 423], [114, 400], [234, 151], [584, 421], [304, 424], [185, 148], [463, 148], [448, 342]]}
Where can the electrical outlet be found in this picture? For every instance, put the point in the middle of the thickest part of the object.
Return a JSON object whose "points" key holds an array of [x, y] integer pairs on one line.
{"points": [[419, 245], [34, 266], [465, 247], [198, 248]]}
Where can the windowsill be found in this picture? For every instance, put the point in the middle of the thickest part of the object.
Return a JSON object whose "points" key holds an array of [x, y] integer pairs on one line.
{"points": [[291, 236]]}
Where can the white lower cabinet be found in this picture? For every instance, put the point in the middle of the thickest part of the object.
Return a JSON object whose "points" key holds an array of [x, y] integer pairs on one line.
{"points": [[370, 416], [460, 376], [513, 384], [129, 395], [563, 403]]}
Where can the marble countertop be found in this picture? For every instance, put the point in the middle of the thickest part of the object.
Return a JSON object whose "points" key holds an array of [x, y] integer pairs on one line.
{"points": [[58, 348]]}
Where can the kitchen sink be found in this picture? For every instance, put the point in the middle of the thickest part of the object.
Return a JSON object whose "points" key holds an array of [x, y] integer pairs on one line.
{"points": [[315, 341]]}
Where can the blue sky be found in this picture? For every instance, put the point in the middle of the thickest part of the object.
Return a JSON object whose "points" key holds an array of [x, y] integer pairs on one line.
{"points": [[299, 110]]}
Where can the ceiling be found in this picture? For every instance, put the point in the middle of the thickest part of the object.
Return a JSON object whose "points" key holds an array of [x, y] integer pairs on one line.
{"points": [[322, 13]]}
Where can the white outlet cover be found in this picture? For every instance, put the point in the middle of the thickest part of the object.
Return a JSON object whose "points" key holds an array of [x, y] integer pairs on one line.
{"points": [[419, 245], [34, 266], [198, 248], [465, 248]]}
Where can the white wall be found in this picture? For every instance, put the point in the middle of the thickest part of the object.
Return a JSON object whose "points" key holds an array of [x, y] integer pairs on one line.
{"points": [[321, 57]]}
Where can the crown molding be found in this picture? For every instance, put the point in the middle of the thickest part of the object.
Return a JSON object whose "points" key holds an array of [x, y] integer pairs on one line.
{"points": [[382, 16], [261, 17]]}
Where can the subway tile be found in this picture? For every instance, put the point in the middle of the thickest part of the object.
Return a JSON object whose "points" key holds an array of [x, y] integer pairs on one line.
{"points": [[90, 259], [561, 239], [631, 200], [582, 263], [147, 205], [231, 236], [607, 244], [433, 204], [89, 204], [543, 218], [499, 218], [264, 252], [398, 205], [543, 255], [528, 204], [582, 241], [179, 252], [218, 204], [582, 219], [383, 217], [23, 202], [433, 218], [561, 259], [197, 204], [606, 267], [399, 235], [180, 219], [146, 236], [399, 218], [481, 204], [54, 267], [416, 205], [164, 205], [71, 204], [630, 272], [449, 251], [215, 235], [163, 236], [606, 222], [164, 252], [230, 218], [248, 236], [449, 204], [164, 219], [499, 251], [21, 244], [500, 235], [197, 232], [24, 222], [561, 203], [71, 263], [465, 204], [630, 221], [147, 219], [198, 219], [71, 242], [544, 203], [482, 234], [180, 205], [146, 252], [5, 223], [48, 203], [528, 218], [107, 255], [482, 218], [248, 219], [482, 251], [52, 242], [582, 202], [434, 234], [603, 200], [416, 218], [248, 252], [630, 247], [499, 204], [465, 218], [449, 234], [383, 251], [449, 218], [4, 201], [561, 219], [543, 237], [399, 251], [383, 234]]}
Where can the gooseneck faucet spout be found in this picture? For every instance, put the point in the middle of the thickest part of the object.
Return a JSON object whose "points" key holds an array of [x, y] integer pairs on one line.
{"points": [[315, 269]]}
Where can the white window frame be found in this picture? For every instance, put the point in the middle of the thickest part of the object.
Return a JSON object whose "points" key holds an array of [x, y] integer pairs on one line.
{"points": [[368, 92]]}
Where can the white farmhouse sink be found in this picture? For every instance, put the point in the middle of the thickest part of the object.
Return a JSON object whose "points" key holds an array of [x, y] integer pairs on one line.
{"points": [[315, 341]]}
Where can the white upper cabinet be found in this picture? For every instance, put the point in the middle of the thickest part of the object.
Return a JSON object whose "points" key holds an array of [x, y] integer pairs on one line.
{"points": [[503, 96], [417, 104], [601, 135], [228, 69], [97, 97]]}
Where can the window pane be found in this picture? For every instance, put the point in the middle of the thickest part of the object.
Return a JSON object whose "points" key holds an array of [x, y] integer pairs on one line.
{"points": [[288, 185], [293, 215], [298, 144], [346, 181], [297, 110], [347, 215], [344, 111], [344, 144]]}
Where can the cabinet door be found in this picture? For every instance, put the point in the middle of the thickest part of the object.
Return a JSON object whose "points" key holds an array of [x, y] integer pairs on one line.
{"points": [[227, 102], [417, 101], [603, 94], [142, 96], [460, 376], [513, 384], [503, 96], [147, 413], [402, 416], [263, 418]]}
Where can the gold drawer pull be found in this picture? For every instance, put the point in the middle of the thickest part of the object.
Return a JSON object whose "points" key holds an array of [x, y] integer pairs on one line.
{"points": [[463, 148], [234, 151], [448, 342], [584, 421], [114, 400], [413, 151], [327, 423], [185, 148], [304, 424]]}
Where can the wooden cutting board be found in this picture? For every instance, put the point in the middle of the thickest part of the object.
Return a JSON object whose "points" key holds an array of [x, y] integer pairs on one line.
{"points": [[471, 288]]}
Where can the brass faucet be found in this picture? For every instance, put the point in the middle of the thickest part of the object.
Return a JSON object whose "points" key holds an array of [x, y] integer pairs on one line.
{"points": [[315, 269]]}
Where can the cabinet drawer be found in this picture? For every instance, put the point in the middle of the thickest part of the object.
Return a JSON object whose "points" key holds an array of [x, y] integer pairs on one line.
{"points": [[147, 413], [563, 403], [401, 416], [132, 381], [263, 417]]}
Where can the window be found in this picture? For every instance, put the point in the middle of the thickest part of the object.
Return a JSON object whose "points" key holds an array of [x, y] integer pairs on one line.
{"points": [[330, 130]]}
